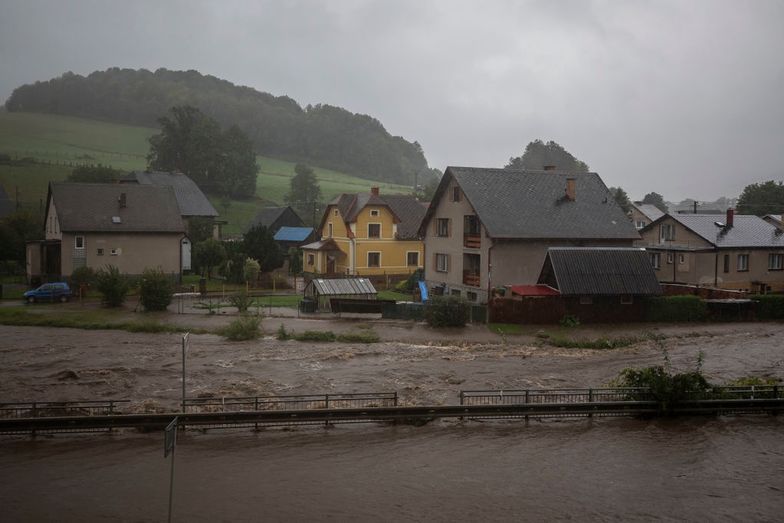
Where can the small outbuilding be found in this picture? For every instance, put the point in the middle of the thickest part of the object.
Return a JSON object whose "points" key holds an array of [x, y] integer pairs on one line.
{"points": [[322, 291]]}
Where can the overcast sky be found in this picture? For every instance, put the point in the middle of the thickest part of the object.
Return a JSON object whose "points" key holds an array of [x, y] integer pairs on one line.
{"points": [[685, 98]]}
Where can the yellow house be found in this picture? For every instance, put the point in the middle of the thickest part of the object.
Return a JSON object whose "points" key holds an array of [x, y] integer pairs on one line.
{"points": [[367, 235]]}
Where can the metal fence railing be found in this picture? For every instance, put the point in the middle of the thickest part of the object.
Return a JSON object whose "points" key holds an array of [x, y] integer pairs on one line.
{"points": [[552, 396], [300, 402], [45, 409]]}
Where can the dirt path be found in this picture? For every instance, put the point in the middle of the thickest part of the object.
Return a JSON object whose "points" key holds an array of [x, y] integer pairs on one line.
{"points": [[71, 364]]}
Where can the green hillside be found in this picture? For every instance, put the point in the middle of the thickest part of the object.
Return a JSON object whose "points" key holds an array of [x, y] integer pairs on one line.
{"points": [[55, 144]]}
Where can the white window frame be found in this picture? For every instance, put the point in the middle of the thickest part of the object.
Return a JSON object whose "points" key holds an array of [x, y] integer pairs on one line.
{"points": [[448, 223], [670, 257], [115, 251], [76, 242], [368, 259], [471, 296], [656, 260], [667, 232], [743, 262], [442, 267], [374, 213], [775, 261], [380, 229], [417, 259], [681, 259], [640, 224]]}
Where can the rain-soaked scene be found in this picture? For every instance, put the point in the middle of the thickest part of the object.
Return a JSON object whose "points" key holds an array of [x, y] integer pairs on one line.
{"points": [[391, 261]]}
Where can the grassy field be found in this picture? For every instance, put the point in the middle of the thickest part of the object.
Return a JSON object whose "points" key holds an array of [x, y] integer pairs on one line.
{"points": [[58, 143]]}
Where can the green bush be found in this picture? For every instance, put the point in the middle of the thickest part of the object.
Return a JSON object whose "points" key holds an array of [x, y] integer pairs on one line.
{"points": [[366, 336], [112, 285], [282, 335], [155, 290], [314, 336], [241, 329], [676, 308], [241, 300], [446, 311], [770, 306]]}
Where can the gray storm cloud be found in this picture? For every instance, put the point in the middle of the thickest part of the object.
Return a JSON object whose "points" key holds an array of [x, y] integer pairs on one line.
{"points": [[682, 98]]}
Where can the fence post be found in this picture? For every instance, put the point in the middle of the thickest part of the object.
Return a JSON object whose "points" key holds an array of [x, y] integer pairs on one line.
{"points": [[590, 400], [526, 402], [326, 403], [395, 398]]}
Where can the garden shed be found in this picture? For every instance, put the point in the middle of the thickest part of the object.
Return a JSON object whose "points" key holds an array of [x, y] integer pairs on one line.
{"points": [[322, 291]]}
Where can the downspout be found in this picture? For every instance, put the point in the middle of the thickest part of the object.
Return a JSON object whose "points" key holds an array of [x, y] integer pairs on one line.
{"points": [[716, 269], [489, 277]]}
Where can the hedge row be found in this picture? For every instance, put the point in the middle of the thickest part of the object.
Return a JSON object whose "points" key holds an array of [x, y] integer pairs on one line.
{"points": [[770, 306], [676, 308]]}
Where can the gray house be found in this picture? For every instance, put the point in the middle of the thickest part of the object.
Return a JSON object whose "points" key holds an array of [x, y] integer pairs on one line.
{"points": [[132, 227], [489, 228]]}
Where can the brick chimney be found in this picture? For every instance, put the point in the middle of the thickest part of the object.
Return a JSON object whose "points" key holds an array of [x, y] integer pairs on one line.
{"points": [[730, 217], [571, 191], [549, 167], [374, 191]]}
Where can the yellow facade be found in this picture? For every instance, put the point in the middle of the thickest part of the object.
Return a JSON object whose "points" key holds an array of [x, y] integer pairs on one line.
{"points": [[368, 245]]}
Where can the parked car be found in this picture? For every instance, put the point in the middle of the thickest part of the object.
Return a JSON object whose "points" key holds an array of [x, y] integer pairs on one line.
{"points": [[49, 292]]}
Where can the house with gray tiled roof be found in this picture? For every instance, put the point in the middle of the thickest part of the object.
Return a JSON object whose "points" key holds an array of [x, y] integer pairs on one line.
{"points": [[491, 228], [642, 214], [273, 218], [130, 226], [729, 251], [367, 234], [190, 199]]}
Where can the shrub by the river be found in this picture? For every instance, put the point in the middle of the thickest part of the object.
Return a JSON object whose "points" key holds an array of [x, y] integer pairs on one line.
{"points": [[770, 306], [155, 290], [241, 300], [112, 285], [241, 329], [447, 311], [676, 308]]}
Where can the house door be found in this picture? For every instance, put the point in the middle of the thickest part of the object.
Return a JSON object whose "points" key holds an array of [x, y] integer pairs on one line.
{"points": [[330, 264], [185, 247]]}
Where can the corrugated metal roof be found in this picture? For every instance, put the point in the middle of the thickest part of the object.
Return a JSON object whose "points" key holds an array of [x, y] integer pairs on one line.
{"points": [[533, 290], [600, 271], [293, 234], [531, 204], [342, 286]]}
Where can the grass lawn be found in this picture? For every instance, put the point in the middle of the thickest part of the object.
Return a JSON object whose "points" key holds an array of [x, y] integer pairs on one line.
{"points": [[394, 295], [60, 142], [505, 328]]}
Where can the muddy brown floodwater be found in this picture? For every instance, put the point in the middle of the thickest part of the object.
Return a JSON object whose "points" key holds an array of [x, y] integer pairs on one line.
{"points": [[696, 469]]}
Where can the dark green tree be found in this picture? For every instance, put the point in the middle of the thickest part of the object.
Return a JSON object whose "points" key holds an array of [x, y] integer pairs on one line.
{"points": [[762, 198], [305, 194], [538, 154], [94, 174], [155, 290], [188, 143], [16, 229], [655, 199], [621, 198], [112, 285], [295, 261], [262, 247], [207, 255], [200, 228], [237, 164]]}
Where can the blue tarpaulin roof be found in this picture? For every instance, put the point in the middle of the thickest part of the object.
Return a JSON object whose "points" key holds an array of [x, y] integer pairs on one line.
{"points": [[293, 234]]}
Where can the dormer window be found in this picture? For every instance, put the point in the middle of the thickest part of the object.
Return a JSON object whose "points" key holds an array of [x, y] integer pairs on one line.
{"points": [[335, 212], [374, 213], [79, 242]]}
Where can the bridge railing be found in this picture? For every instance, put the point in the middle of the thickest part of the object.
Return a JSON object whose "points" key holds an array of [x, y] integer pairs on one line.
{"points": [[552, 396], [43, 409], [298, 402]]}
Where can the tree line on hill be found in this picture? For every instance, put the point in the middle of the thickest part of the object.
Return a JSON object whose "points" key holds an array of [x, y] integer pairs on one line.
{"points": [[277, 126]]}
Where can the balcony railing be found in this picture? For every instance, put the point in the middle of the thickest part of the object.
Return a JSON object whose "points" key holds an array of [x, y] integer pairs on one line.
{"points": [[472, 241], [471, 278]]}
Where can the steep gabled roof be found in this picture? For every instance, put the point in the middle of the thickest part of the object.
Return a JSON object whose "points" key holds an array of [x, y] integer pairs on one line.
{"points": [[748, 231], [406, 210], [648, 210], [190, 198], [95, 207], [267, 216], [599, 271], [531, 204]]}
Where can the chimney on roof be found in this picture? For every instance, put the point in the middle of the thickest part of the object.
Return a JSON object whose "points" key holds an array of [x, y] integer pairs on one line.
{"points": [[549, 167], [571, 191], [374, 191], [122, 200], [730, 217]]}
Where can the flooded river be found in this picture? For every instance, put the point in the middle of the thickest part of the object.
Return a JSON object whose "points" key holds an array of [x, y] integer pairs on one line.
{"points": [[727, 469]]}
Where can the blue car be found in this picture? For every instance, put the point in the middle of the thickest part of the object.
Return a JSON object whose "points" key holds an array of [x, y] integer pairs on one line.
{"points": [[49, 292]]}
